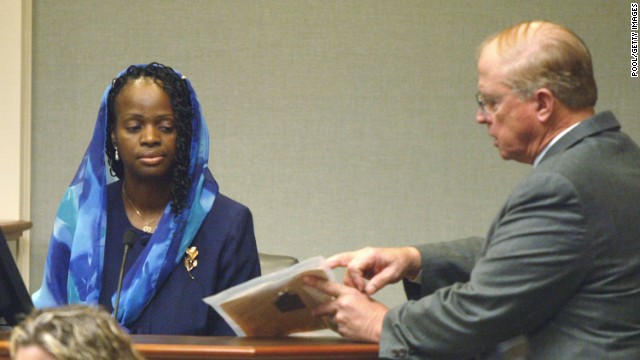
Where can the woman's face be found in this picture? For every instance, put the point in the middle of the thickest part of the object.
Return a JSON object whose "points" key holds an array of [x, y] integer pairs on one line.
{"points": [[145, 132]]}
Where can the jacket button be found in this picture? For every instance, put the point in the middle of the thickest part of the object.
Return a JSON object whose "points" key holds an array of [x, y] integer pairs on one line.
{"points": [[399, 353]]}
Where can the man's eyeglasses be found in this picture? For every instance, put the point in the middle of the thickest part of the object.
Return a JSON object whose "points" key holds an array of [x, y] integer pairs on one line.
{"points": [[487, 104]]}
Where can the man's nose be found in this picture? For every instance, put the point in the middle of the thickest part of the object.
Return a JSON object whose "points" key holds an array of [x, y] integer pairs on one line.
{"points": [[481, 116]]}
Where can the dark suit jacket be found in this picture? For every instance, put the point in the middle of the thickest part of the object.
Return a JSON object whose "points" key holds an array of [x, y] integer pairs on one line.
{"points": [[560, 264]]}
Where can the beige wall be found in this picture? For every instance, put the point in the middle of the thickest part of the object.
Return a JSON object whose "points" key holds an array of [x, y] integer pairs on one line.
{"points": [[339, 123], [15, 110]]}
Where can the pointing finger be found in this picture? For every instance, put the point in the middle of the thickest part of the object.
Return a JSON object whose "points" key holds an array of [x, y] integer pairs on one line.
{"points": [[339, 260], [331, 288]]}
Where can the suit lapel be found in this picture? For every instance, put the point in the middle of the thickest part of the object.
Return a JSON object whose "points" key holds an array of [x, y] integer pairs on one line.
{"points": [[604, 121]]}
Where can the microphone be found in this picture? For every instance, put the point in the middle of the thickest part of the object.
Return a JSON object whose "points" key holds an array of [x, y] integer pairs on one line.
{"points": [[129, 238]]}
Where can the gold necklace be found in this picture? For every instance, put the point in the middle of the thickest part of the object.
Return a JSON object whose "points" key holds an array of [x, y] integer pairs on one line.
{"points": [[147, 228]]}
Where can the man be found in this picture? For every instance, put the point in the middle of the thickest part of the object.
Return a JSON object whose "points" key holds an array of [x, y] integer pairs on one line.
{"points": [[561, 262]]}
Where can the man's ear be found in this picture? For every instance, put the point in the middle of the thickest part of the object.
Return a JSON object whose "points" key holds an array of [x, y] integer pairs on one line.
{"points": [[545, 104]]}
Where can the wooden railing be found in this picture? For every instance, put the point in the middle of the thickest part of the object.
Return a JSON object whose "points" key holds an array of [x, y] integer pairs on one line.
{"points": [[161, 347]]}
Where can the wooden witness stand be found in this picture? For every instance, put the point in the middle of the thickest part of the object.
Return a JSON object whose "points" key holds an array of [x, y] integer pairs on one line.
{"points": [[161, 347], [191, 347]]}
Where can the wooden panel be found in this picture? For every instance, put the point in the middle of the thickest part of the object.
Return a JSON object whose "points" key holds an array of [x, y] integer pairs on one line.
{"points": [[161, 347]]}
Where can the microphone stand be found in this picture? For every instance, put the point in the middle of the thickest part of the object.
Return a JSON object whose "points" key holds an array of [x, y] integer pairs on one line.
{"points": [[128, 239]]}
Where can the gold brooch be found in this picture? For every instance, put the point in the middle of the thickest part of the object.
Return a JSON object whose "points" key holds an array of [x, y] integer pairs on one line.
{"points": [[190, 261]]}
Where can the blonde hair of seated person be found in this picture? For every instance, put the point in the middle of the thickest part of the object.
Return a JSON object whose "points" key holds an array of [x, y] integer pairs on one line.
{"points": [[69, 333]]}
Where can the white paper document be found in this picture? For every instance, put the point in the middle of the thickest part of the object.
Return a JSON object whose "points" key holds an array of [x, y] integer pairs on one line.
{"points": [[276, 304]]}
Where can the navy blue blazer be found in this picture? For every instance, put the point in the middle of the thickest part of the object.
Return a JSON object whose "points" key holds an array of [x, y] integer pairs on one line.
{"points": [[227, 256]]}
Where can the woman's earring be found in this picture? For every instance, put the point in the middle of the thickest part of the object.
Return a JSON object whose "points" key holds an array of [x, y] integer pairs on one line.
{"points": [[117, 157]]}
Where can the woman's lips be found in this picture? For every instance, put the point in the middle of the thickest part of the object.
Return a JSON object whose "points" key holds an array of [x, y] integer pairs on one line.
{"points": [[152, 159]]}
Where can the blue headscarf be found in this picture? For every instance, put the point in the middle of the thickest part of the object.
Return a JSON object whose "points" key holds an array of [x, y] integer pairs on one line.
{"points": [[73, 270]]}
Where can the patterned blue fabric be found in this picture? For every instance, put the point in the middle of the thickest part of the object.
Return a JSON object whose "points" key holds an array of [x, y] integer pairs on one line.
{"points": [[74, 264]]}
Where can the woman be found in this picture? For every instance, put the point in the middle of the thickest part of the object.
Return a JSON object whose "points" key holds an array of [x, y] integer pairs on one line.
{"points": [[192, 241]]}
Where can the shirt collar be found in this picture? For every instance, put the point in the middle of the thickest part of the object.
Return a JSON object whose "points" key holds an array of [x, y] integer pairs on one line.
{"points": [[555, 140]]}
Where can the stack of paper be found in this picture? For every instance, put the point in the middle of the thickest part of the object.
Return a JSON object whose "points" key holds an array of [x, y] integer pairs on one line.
{"points": [[277, 304]]}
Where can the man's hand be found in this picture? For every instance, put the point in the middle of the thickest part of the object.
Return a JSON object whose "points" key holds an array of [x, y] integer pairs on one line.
{"points": [[352, 314], [381, 266]]}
